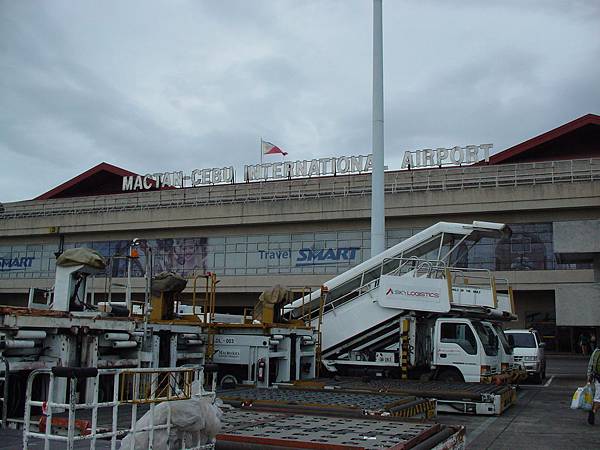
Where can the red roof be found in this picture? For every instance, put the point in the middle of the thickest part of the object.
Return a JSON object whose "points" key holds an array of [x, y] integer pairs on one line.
{"points": [[101, 179], [579, 138]]}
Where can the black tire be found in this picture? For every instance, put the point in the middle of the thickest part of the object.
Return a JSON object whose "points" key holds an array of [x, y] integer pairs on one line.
{"points": [[537, 378], [228, 381], [16, 396], [450, 376]]}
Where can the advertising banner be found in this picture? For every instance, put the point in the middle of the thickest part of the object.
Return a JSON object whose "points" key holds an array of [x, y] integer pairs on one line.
{"points": [[423, 294]]}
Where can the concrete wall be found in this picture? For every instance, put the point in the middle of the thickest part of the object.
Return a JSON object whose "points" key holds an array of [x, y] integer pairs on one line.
{"points": [[576, 240], [578, 305], [551, 202], [581, 200]]}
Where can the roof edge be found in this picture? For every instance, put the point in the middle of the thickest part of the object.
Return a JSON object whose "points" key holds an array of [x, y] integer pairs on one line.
{"points": [[588, 119], [82, 176]]}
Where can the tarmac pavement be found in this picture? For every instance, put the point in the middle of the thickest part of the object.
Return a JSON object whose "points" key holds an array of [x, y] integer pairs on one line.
{"points": [[542, 417]]}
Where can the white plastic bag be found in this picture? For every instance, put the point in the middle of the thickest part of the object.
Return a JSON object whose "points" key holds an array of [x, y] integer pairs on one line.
{"points": [[576, 398], [194, 421], [583, 398]]}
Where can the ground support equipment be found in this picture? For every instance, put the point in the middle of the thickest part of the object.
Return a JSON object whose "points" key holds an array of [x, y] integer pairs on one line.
{"points": [[338, 403], [263, 354], [463, 398], [252, 429]]}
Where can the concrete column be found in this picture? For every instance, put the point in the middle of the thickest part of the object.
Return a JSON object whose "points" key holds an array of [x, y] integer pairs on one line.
{"points": [[596, 267]]}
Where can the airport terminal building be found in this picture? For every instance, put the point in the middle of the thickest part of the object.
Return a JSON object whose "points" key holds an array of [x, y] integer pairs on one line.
{"points": [[299, 224]]}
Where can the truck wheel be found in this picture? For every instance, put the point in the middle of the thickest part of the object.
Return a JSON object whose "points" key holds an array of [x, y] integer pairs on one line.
{"points": [[537, 378], [228, 382], [450, 376]]}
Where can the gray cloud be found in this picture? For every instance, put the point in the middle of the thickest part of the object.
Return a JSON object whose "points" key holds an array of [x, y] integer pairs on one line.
{"points": [[150, 85]]}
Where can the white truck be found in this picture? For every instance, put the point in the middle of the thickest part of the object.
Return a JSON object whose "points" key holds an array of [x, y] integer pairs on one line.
{"points": [[412, 311]]}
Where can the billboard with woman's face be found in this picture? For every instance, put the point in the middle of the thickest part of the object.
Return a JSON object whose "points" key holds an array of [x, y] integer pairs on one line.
{"points": [[183, 256]]}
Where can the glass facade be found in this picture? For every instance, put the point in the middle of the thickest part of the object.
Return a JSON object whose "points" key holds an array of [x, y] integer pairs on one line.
{"points": [[27, 261], [330, 253]]}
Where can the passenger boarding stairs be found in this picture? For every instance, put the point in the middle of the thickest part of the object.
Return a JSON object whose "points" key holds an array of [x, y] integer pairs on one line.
{"points": [[414, 275]]}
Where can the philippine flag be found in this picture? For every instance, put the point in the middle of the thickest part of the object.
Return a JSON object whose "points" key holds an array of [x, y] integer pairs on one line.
{"points": [[271, 149]]}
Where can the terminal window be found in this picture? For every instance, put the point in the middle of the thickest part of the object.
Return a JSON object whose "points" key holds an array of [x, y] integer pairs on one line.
{"points": [[321, 252]]}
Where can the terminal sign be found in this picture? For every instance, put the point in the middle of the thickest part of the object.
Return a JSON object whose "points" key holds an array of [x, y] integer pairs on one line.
{"points": [[265, 171], [197, 177], [446, 156], [338, 165]]}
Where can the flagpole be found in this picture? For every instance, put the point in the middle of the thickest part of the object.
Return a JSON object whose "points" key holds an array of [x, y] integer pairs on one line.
{"points": [[261, 151]]}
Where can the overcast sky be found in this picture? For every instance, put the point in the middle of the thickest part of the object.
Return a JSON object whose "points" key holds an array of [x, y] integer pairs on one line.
{"points": [[177, 85]]}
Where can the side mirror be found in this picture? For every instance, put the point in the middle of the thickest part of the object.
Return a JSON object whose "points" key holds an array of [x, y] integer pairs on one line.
{"points": [[511, 340], [542, 344]]}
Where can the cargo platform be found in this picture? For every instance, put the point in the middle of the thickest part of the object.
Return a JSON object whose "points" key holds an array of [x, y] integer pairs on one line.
{"points": [[463, 398], [251, 429], [335, 402]]}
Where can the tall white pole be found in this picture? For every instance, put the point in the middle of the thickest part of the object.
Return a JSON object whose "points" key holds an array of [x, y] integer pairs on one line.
{"points": [[377, 178]]}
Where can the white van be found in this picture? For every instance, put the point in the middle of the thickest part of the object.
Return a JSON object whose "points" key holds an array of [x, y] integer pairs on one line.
{"points": [[528, 350]]}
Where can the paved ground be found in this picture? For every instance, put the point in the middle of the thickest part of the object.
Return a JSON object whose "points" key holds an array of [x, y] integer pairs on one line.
{"points": [[541, 419], [13, 440]]}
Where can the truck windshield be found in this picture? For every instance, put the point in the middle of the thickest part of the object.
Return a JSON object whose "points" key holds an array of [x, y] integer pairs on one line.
{"points": [[486, 336], [523, 340], [503, 340]]}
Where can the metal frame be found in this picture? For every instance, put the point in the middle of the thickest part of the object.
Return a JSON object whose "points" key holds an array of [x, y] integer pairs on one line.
{"points": [[178, 387], [245, 346], [489, 405], [252, 429], [433, 269]]}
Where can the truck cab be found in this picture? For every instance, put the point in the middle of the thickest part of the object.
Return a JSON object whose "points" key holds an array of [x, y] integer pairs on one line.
{"points": [[464, 350], [511, 370]]}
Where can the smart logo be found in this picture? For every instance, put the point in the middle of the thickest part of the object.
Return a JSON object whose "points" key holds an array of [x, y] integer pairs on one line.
{"points": [[312, 256]]}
